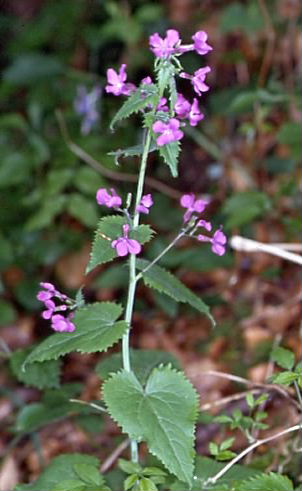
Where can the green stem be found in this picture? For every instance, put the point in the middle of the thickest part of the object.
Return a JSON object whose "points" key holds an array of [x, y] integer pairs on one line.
{"points": [[132, 276]]}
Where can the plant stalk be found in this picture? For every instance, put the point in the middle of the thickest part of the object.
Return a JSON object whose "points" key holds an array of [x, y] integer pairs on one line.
{"points": [[132, 276]]}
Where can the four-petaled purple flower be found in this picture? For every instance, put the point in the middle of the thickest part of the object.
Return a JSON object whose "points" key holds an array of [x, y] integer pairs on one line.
{"points": [[145, 204], [218, 241], [117, 82], [198, 79], [58, 321], [193, 205], [170, 131], [124, 245], [165, 47], [85, 105], [112, 200], [200, 43]]}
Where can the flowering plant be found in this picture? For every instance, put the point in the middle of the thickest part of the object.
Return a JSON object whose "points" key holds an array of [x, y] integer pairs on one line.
{"points": [[159, 408]]}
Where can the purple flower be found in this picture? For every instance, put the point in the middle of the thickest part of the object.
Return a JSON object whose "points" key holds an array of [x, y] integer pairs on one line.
{"points": [[200, 43], [62, 324], [51, 307], [194, 114], [124, 245], [117, 82], [182, 107], [205, 224], [164, 48], [218, 241], [145, 204], [198, 79], [193, 205], [85, 105], [170, 131], [162, 105], [147, 81], [112, 200]]}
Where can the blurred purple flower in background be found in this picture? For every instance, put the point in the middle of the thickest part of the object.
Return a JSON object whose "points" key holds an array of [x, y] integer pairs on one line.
{"points": [[85, 105]]}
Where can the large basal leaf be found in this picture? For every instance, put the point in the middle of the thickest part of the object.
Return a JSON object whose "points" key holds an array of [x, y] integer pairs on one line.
{"points": [[110, 228], [65, 468], [97, 329], [45, 375], [165, 282], [142, 363], [269, 482], [170, 154], [162, 413], [140, 99]]}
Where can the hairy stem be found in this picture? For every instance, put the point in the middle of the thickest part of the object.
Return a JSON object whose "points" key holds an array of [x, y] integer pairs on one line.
{"points": [[132, 275]]}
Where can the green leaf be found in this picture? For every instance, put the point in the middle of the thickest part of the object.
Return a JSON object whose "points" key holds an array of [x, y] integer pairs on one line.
{"points": [[83, 209], [97, 329], [31, 68], [206, 467], [170, 154], [290, 134], [61, 468], [133, 151], [45, 215], [285, 378], [147, 484], [163, 281], [112, 228], [283, 357], [140, 99], [42, 375], [163, 414], [88, 473], [142, 363], [68, 484], [8, 314], [55, 406], [244, 207], [269, 482]]}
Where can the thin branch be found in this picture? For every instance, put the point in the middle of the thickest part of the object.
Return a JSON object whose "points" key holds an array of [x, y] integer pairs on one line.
{"points": [[91, 404], [270, 44], [227, 399], [110, 174], [114, 455], [214, 479], [242, 244], [241, 380]]}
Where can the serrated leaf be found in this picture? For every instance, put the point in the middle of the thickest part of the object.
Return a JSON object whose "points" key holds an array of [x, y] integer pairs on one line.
{"points": [[163, 281], [270, 482], [68, 484], [112, 228], [142, 363], [285, 358], [170, 154], [147, 484], [140, 99], [45, 375], [61, 468], [97, 329], [133, 151], [163, 414]]}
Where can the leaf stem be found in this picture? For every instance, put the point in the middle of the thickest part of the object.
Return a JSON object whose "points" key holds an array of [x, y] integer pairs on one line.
{"points": [[132, 275]]}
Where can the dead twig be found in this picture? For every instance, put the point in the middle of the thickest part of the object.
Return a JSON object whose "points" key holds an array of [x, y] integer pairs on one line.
{"points": [[114, 455]]}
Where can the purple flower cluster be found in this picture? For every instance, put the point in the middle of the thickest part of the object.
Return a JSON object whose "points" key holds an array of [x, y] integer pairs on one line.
{"points": [[170, 46], [85, 105], [124, 245], [59, 322], [194, 205]]}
